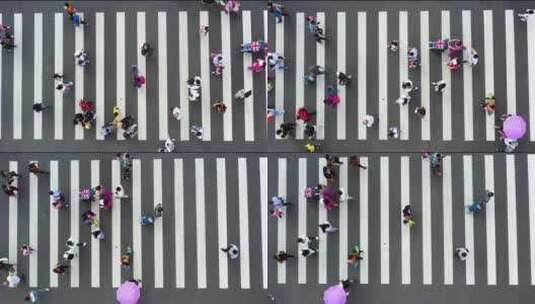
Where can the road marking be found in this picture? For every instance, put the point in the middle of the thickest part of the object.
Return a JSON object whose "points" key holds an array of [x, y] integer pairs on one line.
{"points": [[446, 76], [34, 230], [227, 75], [447, 211], [341, 62], [279, 74], [179, 223], [1, 52], [263, 170], [37, 74], [205, 75], [531, 75], [281, 222], [142, 91], [13, 219], [383, 76], [469, 220], [183, 56], [299, 71], [17, 76], [322, 217], [320, 82], [158, 226], [95, 243], [79, 76], [467, 78], [222, 221], [425, 84], [489, 69], [343, 220], [512, 247], [427, 247], [363, 193], [136, 216], [385, 226], [302, 220], [116, 225], [248, 107], [121, 68], [100, 75], [244, 224], [490, 221], [361, 88], [54, 244], [162, 75], [266, 72], [510, 64], [75, 220], [200, 223], [531, 191], [405, 229], [58, 68], [403, 73]]}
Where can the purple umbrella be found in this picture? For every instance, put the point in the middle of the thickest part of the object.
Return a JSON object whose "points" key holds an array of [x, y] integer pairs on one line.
{"points": [[128, 293], [335, 295], [514, 127]]}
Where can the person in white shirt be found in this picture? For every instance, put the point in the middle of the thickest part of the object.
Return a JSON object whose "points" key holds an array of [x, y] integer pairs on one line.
{"points": [[527, 15], [368, 120], [232, 251], [119, 192], [12, 280], [473, 59], [176, 113], [461, 253]]}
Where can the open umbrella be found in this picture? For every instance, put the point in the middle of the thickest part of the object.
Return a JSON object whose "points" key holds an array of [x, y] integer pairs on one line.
{"points": [[514, 127], [128, 293], [335, 295]]}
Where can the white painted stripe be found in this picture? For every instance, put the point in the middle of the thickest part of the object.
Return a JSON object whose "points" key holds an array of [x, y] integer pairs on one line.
{"points": [[383, 76], [510, 65], [116, 225], [490, 221], [100, 75], [121, 68], [17, 76], [179, 223], [343, 220], [341, 63], [531, 195], [363, 221], [266, 94], [385, 222], [222, 221], [512, 247], [205, 75], [469, 220], [200, 223], [279, 74], [37, 73], [405, 229], [446, 76], [141, 92], [244, 224], [263, 170], [58, 68], [248, 107], [425, 83], [322, 217], [362, 62], [467, 78], [74, 269], [95, 244], [78, 76], [34, 230], [447, 220], [1, 52], [53, 234], [158, 226], [299, 70], [320, 83], [489, 69], [281, 223], [531, 75], [162, 75], [13, 218], [302, 220], [136, 215], [227, 75], [183, 56], [403, 72], [427, 246]]}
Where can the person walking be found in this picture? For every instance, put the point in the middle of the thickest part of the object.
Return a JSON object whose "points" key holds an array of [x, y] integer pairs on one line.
{"points": [[343, 79], [242, 94], [146, 220], [326, 227], [34, 294], [60, 268], [439, 86], [528, 14], [146, 49], [306, 252], [138, 79], [232, 251], [393, 132], [26, 250], [368, 120], [65, 86], [158, 210], [461, 253], [354, 161], [119, 192], [81, 58], [10, 190], [355, 256], [126, 258], [408, 215], [33, 167], [282, 256], [420, 112], [489, 104], [220, 107], [176, 113], [39, 107], [276, 10], [304, 115], [197, 131]]}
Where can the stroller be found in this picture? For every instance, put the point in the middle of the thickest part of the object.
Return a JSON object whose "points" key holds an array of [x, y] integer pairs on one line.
{"points": [[439, 45]]}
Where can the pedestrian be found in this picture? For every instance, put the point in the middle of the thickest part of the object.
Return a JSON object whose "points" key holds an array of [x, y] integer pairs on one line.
{"points": [[439, 86], [473, 58], [176, 113], [276, 10], [217, 62], [77, 20], [318, 34], [393, 45], [69, 9], [271, 113], [81, 58], [310, 131], [39, 107], [355, 256], [26, 250], [220, 107], [527, 15], [279, 202], [204, 29], [197, 131], [33, 295], [308, 241], [311, 147], [403, 99], [257, 65], [312, 23], [194, 88], [393, 132], [158, 210], [146, 49], [316, 70], [306, 252], [343, 79], [126, 258], [420, 111], [328, 172], [232, 251], [10, 190], [138, 79], [9, 176], [343, 196], [86, 105], [119, 192], [276, 212], [97, 232], [13, 279], [333, 160], [242, 94], [146, 220], [88, 217], [58, 77], [33, 167], [285, 129], [304, 115], [369, 120], [168, 146], [408, 215], [454, 64], [282, 256], [489, 103], [354, 161], [332, 97], [461, 253], [326, 227], [478, 206], [65, 86]]}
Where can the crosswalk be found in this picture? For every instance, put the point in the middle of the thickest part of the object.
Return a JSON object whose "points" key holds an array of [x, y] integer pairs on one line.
{"points": [[113, 41], [210, 202]]}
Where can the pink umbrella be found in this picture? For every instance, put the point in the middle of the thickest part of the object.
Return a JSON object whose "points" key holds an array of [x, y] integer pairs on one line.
{"points": [[514, 127], [335, 295], [128, 293]]}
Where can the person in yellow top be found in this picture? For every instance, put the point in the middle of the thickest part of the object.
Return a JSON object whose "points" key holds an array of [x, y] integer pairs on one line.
{"points": [[116, 112], [311, 147]]}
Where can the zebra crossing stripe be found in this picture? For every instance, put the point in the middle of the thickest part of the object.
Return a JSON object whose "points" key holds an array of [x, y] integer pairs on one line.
{"points": [[382, 70], [200, 222], [361, 77], [489, 69], [363, 228], [227, 75], [446, 76], [205, 75], [403, 72], [343, 220], [302, 220], [279, 74], [58, 68], [1, 52], [75, 220], [116, 225], [281, 222], [222, 221], [427, 247], [322, 217], [531, 194], [512, 246], [121, 68], [78, 76], [13, 219], [37, 74], [248, 107], [34, 230], [385, 221], [510, 64], [405, 228], [244, 224], [17, 76], [162, 75], [178, 185], [266, 73], [531, 75], [447, 211], [136, 216], [341, 62], [263, 171], [424, 75], [142, 91], [183, 66], [100, 75], [54, 244], [469, 219], [320, 82], [95, 243], [490, 221], [467, 78], [299, 69], [158, 226]]}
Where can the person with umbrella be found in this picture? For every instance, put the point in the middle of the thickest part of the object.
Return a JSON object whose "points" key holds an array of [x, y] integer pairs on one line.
{"points": [[129, 292]]}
